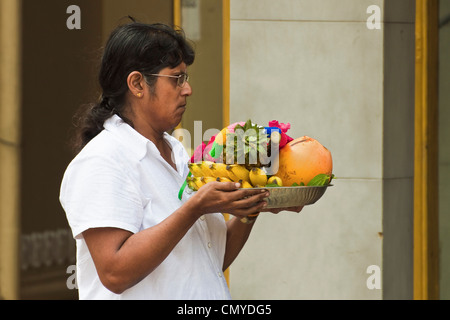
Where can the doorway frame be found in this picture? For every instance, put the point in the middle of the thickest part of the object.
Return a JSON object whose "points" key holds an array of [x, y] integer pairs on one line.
{"points": [[426, 224]]}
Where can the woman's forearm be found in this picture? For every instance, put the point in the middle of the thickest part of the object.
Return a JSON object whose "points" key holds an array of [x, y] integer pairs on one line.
{"points": [[237, 235], [123, 259]]}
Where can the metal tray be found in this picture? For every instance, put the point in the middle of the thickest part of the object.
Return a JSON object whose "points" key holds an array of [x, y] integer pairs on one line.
{"points": [[284, 197]]}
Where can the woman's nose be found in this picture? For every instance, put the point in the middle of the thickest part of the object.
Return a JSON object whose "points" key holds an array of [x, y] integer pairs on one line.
{"points": [[186, 90]]}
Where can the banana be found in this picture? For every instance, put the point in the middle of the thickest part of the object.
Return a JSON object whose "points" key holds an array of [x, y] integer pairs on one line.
{"points": [[275, 180], [191, 184], [205, 180], [245, 184], [258, 177], [219, 170], [237, 172], [195, 169], [223, 179], [206, 168], [198, 181]]}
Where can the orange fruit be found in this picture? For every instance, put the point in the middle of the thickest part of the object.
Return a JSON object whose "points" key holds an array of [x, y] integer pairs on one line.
{"points": [[302, 159]]}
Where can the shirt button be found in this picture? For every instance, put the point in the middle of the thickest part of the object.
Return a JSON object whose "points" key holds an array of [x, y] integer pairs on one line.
{"points": [[209, 245], [202, 218], [219, 274]]}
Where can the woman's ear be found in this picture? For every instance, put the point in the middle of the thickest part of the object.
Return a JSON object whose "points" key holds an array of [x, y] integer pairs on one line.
{"points": [[136, 83]]}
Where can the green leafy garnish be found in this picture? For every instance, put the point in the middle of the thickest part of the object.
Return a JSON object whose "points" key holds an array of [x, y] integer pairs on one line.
{"points": [[271, 185], [320, 180]]}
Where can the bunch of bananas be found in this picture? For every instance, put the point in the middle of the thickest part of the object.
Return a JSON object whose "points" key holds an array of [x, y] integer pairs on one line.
{"points": [[207, 171]]}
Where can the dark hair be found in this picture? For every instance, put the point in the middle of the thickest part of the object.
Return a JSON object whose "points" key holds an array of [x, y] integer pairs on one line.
{"points": [[147, 48]]}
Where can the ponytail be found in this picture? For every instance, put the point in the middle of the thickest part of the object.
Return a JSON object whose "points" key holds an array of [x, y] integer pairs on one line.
{"points": [[89, 121]]}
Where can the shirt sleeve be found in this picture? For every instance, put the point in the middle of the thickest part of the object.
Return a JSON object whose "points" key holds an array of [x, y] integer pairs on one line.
{"points": [[98, 192]]}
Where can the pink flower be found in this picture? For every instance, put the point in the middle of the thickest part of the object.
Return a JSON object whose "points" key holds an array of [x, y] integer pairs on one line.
{"points": [[198, 153], [233, 125], [284, 128], [202, 152]]}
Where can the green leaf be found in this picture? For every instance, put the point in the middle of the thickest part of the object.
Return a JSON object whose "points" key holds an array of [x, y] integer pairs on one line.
{"points": [[271, 185], [319, 180], [248, 124], [238, 126]]}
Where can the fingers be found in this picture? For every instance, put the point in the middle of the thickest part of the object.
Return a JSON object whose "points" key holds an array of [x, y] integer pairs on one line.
{"points": [[228, 197], [226, 186], [293, 209], [252, 200], [274, 210], [247, 212], [239, 193], [243, 202], [249, 199], [233, 186], [249, 206], [247, 193]]}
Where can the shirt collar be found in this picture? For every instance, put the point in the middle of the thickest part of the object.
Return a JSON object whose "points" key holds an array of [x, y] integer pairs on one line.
{"points": [[138, 144], [180, 154]]}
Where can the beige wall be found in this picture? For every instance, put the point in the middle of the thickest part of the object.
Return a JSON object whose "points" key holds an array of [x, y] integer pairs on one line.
{"points": [[316, 65]]}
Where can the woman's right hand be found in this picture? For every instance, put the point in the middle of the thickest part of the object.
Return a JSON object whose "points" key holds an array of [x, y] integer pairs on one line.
{"points": [[228, 197]]}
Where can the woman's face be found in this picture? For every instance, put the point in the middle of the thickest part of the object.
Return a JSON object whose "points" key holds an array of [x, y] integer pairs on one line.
{"points": [[166, 103]]}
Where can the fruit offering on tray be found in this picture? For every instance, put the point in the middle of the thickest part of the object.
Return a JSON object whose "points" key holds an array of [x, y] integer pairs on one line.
{"points": [[248, 153]]}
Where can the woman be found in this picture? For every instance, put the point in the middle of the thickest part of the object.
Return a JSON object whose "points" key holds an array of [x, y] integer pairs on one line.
{"points": [[135, 238]]}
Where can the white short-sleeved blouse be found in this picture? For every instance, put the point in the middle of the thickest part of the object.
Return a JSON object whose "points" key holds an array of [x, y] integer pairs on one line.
{"points": [[120, 180]]}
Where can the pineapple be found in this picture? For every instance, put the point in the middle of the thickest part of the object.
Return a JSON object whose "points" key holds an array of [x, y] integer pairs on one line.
{"points": [[248, 146]]}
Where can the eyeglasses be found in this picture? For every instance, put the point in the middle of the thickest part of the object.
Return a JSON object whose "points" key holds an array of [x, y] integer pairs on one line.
{"points": [[181, 79]]}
